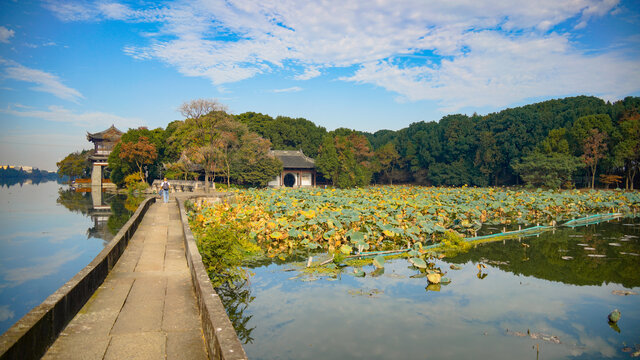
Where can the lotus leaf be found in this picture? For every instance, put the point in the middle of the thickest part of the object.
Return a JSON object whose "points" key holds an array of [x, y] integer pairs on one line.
{"points": [[434, 278], [418, 262]]}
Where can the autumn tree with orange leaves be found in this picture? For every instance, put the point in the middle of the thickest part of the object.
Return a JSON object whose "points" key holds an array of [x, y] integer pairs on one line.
{"points": [[594, 148], [139, 153]]}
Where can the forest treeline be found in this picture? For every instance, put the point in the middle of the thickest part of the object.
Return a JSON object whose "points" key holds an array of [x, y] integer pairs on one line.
{"points": [[12, 176], [554, 143], [577, 141]]}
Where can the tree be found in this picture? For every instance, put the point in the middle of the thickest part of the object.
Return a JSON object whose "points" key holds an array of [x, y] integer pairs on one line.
{"points": [[139, 153], [581, 129], [386, 158], [195, 109], [198, 140], [488, 157], [286, 133], [327, 162], [252, 164], [627, 152], [346, 158], [594, 148], [547, 170], [610, 179], [550, 164], [75, 165]]}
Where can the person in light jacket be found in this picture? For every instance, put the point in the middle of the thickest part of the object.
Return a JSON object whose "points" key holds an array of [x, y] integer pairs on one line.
{"points": [[164, 188]]}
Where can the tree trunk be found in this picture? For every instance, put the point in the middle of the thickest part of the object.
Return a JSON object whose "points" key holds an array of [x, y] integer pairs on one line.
{"points": [[206, 181]]}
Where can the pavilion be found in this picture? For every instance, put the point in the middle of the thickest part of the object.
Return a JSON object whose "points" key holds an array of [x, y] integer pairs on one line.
{"points": [[104, 142]]}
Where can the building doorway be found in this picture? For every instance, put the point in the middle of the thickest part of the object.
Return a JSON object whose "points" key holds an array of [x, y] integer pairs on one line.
{"points": [[289, 180]]}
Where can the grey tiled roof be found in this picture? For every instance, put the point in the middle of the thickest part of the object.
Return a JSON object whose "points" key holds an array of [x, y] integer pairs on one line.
{"points": [[110, 134], [294, 159]]}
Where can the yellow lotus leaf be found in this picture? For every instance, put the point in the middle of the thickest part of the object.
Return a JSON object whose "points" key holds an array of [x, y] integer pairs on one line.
{"points": [[388, 233], [309, 214], [271, 225], [434, 278]]}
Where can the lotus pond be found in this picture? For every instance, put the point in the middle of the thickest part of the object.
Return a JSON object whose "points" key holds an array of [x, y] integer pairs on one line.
{"points": [[544, 296]]}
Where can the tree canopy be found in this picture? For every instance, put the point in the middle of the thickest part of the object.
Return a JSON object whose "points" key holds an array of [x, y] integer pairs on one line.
{"points": [[539, 144]]}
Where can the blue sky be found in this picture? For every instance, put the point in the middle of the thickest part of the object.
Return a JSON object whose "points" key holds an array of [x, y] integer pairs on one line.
{"points": [[68, 67]]}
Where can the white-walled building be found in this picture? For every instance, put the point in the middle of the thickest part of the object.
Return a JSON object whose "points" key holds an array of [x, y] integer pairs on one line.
{"points": [[298, 170]]}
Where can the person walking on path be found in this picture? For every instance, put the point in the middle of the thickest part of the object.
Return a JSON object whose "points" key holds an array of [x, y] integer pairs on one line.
{"points": [[164, 187]]}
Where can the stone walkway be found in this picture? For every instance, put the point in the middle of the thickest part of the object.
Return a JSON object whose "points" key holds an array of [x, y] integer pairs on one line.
{"points": [[146, 307]]}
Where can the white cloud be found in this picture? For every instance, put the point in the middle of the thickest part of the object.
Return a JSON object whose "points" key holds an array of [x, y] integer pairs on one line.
{"points": [[507, 47], [87, 120], [6, 34], [309, 73], [45, 81], [291, 89], [500, 70]]}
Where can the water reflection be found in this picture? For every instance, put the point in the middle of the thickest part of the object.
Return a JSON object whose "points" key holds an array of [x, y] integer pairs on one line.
{"points": [[526, 302], [49, 233], [108, 211], [591, 255], [236, 299]]}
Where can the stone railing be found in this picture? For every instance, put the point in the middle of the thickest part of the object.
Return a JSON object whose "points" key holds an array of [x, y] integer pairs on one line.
{"points": [[222, 340], [181, 185]]}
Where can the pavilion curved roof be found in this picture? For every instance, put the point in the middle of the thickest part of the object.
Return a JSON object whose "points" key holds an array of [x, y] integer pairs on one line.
{"points": [[110, 134]]}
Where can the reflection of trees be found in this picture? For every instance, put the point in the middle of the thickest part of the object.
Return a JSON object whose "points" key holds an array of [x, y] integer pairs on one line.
{"points": [[544, 257], [82, 203], [132, 202], [74, 201], [236, 299], [120, 214]]}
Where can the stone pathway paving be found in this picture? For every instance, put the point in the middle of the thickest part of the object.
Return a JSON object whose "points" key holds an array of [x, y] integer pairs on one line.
{"points": [[146, 307]]}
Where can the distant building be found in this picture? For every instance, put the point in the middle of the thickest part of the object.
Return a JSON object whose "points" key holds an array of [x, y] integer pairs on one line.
{"points": [[104, 141], [298, 170]]}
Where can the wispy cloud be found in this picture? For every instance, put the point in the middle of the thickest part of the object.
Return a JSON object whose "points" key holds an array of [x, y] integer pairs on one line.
{"points": [[87, 120], [45, 81], [309, 73], [291, 89], [500, 70], [6, 34], [478, 51]]}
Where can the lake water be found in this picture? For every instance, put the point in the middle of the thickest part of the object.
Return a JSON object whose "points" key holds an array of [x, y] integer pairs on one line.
{"points": [[528, 303], [48, 234]]}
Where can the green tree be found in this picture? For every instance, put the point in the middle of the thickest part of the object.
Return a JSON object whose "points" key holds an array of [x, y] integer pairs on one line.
{"points": [[550, 164], [581, 129], [488, 157], [627, 152], [198, 138], [547, 170], [76, 164], [327, 162], [386, 158], [286, 133]]}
